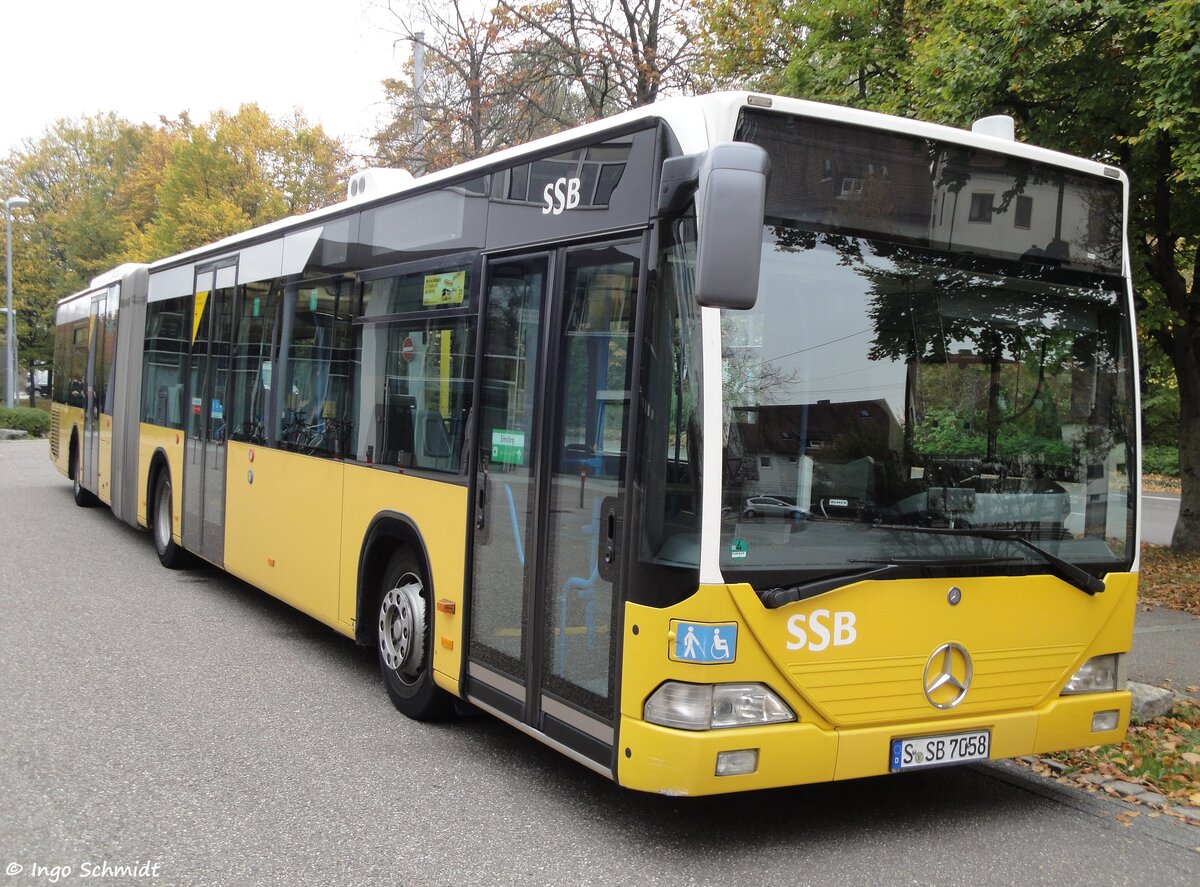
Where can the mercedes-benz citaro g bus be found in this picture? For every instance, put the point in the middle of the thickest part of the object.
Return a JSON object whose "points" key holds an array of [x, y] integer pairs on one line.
{"points": [[732, 442]]}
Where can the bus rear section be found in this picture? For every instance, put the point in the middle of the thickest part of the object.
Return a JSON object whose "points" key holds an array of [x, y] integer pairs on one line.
{"points": [[96, 379]]}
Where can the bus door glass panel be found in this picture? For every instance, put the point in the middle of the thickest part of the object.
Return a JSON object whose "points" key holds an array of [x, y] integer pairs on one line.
{"points": [[204, 456], [504, 539], [104, 376], [193, 467], [250, 382], [217, 412], [589, 423], [107, 391], [95, 370]]}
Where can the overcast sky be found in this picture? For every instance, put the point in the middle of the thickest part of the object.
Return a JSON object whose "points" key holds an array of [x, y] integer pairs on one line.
{"points": [[146, 58]]}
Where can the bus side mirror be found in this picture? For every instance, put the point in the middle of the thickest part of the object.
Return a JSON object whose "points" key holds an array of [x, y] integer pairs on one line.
{"points": [[730, 185]]}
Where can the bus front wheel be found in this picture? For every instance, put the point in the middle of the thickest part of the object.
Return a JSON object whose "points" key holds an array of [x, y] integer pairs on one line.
{"points": [[404, 640], [170, 555]]}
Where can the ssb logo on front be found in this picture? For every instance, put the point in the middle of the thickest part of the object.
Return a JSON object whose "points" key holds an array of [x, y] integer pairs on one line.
{"points": [[840, 633], [560, 195]]}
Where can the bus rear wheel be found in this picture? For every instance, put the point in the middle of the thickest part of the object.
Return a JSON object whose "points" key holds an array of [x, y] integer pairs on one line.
{"points": [[170, 555], [404, 641], [83, 498]]}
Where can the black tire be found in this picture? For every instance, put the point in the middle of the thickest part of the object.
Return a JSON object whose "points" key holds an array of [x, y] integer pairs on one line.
{"points": [[404, 640], [83, 498], [170, 555], [749, 512]]}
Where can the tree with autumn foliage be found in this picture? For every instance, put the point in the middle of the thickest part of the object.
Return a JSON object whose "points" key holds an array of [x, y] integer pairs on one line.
{"points": [[234, 172], [103, 191], [72, 230]]}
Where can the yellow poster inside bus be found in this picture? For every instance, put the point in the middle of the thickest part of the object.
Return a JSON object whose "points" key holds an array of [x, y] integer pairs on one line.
{"points": [[444, 289]]}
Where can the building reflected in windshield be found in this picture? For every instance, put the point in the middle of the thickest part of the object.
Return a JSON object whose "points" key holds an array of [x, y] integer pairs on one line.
{"points": [[838, 178]]}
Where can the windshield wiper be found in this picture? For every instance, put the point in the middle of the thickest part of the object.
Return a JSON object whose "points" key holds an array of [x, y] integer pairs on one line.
{"points": [[1068, 572], [773, 598]]}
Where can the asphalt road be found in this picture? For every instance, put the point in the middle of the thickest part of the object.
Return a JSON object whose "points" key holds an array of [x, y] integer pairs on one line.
{"points": [[1159, 513], [187, 721]]}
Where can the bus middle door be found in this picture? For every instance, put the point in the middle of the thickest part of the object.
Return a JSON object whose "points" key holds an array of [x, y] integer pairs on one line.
{"points": [[91, 412], [204, 447]]}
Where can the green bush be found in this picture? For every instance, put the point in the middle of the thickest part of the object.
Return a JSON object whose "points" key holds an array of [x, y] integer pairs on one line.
{"points": [[33, 421], [1160, 460], [945, 433]]}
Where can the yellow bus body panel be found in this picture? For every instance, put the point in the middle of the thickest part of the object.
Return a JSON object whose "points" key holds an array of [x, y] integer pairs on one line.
{"points": [[1026, 636], [66, 419], [439, 513], [283, 521], [104, 461], [151, 439], [63, 420]]}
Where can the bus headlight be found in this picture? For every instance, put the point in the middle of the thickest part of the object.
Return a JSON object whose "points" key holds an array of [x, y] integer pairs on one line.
{"points": [[1100, 674], [712, 706]]}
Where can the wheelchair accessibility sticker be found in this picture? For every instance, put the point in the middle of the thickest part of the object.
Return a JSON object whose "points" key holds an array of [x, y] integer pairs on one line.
{"points": [[707, 643]]}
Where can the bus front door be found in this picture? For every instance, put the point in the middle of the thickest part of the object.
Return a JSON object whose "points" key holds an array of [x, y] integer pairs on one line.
{"points": [[204, 449], [549, 485]]}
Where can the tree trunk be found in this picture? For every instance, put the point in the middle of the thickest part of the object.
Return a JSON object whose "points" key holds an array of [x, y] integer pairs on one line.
{"points": [[1187, 372], [1179, 341], [32, 386]]}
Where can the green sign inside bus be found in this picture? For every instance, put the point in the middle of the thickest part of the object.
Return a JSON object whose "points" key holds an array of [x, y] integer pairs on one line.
{"points": [[508, 447]]}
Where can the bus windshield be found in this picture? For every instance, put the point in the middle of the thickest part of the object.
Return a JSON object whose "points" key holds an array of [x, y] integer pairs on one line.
{"points": [[878, 386]]}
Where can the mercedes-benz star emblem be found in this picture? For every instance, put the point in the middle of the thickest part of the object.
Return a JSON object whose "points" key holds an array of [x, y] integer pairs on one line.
{"points": [[947, 676]]}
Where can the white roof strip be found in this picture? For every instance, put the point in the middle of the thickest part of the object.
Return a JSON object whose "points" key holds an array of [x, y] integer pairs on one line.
{"points": [[171, 283]]}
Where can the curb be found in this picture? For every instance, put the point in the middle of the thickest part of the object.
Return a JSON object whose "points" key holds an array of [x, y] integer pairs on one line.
{"points": [[1138, 794]]}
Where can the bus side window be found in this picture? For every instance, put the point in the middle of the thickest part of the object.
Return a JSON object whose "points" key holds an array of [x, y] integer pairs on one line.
{"points": [[414, 391], [311, 405], [252, 360], [413, 370], [437, 439], [666, 487], [164, 362]]}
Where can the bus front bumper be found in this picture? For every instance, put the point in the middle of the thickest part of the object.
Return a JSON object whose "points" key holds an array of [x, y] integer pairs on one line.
{"points": [[681, 762]]}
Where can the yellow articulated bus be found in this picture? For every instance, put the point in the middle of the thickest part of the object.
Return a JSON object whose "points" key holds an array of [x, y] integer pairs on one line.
{"points": [[733, 442]]}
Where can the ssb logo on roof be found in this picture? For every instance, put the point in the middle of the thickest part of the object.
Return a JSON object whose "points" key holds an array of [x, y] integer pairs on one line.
{"points": [[560, 195]]}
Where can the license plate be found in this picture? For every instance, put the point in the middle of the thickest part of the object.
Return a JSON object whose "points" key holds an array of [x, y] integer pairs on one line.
{"points": [[932, 751]]}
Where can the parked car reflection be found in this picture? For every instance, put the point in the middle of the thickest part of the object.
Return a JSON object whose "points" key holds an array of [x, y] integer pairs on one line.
{"points": [[765, 505]]}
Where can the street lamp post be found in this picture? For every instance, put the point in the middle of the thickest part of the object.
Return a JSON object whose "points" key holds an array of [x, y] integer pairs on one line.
{"points": [[10, 326]]}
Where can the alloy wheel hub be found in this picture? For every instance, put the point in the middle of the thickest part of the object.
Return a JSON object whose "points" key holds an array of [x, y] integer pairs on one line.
{"points": [[402, 627]]}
